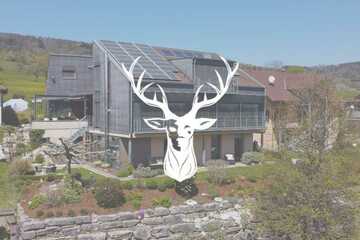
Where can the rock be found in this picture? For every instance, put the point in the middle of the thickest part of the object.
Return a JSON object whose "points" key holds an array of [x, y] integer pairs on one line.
{"points": [[60, 221], [152, 221], [33, 225], [108, 218], [119, 235], [211, 226], [218, 199], [142, 233], [82, 219], [183, 228], [111, 225], [46, 231], [160, 232], [127, 216], [211, 206], [28, 235], [161, 211], [92, 236], [245, 235], [130, 223], [71, 231], [172, 219]]}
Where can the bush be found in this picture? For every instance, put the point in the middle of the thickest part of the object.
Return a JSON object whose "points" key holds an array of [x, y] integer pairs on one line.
{"points": [[56, 197], [146, 172], [162, 187], [36, 201], [217, 173], [127, 185], [72, 195], [4, 234], [151, 184], [39, 213], [84, 211], [162, 202], [59, 213], [49, 215], [135, 199], [21, 149], [252, 158], [212, 191], [169, 183], [71, 213], [108, 194], [126, 171], [10, 117], [21, 167], [36, 137], [187, 188]]}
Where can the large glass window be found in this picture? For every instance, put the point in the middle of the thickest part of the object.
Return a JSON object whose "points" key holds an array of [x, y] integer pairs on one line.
{"points": [[215, 146]]}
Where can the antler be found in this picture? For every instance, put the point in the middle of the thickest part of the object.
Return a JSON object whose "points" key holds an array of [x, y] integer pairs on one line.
{"points": [[220, 92], [141, 92]]}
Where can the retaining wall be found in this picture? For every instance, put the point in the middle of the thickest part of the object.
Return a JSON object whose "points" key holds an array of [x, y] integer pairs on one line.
{"points": [[222, 219]]}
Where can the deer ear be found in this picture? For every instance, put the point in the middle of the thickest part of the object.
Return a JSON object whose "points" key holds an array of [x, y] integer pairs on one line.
{"points": [[204, 123], [156, 123]]}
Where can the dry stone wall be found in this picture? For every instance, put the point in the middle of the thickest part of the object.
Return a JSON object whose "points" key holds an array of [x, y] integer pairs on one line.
{"points": [[222, 219]]}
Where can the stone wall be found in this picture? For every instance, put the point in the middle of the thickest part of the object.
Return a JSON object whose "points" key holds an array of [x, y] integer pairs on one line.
{"points": [[222, 219]]}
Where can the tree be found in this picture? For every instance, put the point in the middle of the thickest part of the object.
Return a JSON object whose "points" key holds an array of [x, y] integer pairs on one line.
{"points": [[311, 199], [68, 152]]}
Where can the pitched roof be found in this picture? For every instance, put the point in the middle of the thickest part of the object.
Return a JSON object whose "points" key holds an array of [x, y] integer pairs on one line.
{"points": [[284, 81]]}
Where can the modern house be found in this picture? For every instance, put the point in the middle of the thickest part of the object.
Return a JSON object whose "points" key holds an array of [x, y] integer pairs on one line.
{"points": [[94, 89]]}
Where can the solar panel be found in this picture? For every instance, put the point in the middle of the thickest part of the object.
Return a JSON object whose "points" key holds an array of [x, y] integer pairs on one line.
{"points": [[124, 57]]}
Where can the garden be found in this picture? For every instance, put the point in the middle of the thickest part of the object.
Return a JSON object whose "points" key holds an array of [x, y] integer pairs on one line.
{"points": [[83, 192]]}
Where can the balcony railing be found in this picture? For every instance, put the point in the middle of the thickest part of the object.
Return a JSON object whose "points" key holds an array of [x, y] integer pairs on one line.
{"points": [[251, 122]]}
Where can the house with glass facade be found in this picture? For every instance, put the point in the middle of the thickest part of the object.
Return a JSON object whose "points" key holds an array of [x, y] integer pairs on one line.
{"points": [[98, 92]]}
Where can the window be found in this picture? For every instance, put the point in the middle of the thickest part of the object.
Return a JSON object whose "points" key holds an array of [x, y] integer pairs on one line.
{"points": [[69, 73], [215, 146]]}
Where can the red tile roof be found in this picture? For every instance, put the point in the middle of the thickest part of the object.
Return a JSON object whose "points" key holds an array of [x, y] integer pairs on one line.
{"points": [[284, 81]]}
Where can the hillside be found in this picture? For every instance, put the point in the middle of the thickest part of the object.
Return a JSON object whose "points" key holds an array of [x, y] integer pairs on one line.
{"points": [[24, 59]]}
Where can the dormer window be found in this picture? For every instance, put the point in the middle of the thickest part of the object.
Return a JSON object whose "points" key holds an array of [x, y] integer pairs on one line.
{"points": [[69, 73]]}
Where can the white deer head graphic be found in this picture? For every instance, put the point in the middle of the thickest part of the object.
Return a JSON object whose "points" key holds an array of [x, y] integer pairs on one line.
{"points": [[180, 161]]}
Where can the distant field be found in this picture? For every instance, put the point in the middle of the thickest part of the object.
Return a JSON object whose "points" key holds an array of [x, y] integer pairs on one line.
{"points": [[22, 84]]}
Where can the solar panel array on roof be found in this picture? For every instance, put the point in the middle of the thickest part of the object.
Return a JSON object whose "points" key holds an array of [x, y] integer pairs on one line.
{"points": [[156, 66], [172, 53]]}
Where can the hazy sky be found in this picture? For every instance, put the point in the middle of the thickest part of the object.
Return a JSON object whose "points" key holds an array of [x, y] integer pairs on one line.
{"points": [[307, 32]]}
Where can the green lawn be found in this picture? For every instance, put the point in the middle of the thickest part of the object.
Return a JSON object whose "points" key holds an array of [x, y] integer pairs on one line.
{"points": [[22, 84]]}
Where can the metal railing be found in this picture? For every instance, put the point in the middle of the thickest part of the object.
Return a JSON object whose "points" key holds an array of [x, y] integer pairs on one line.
{"points": [[250, 122]]}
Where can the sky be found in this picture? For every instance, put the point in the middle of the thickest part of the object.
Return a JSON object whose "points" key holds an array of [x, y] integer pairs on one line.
{"points": [[307, 32]]}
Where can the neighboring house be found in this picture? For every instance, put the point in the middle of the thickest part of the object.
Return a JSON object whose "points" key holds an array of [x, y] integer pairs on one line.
{"points": [[116, 115], [280, 86]]}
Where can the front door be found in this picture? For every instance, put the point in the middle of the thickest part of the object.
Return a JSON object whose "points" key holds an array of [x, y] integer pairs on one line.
{"points": [[239, 147]]}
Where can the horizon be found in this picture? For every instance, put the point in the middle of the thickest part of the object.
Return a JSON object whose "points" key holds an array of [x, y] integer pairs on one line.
{"points": [[304, 34]]}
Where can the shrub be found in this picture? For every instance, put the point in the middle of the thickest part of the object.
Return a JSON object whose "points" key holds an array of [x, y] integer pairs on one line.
{"points": [[4, 234], [252, 158], [151, 184], [187, 188], [168, 182], [59, 213], [49, 214], [36, 201], [55, 197], [84, 211], [126, 171], [212, 191], [108, 194], [36, 137], [21, 167], [140, 184], [135, 199], [217, 173], [162, 187], [71, 213], [127, 185], [146, 172], [162, 202], [50, 177], [39, 213], [72, 191], [21, 149]]}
